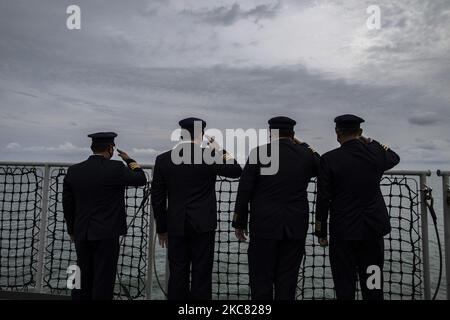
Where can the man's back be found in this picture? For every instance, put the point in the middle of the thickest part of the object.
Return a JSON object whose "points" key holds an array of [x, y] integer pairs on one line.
{"points": [[190, 188], [94, 197], [349, 180], [279, 202]]}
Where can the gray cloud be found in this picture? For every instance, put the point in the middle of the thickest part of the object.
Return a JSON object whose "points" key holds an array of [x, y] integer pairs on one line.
{"points": [[144, 105], [138, 67], [63, 152], [228, 15], [65, 148], [425, 118], [148, 151], [153, 7], [428, 151]]}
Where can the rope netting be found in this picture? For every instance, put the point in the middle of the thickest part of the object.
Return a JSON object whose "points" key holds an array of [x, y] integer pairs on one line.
{"points": [[21, 208], [60, 251], [402, 268], [20, 195], [20, 212]]}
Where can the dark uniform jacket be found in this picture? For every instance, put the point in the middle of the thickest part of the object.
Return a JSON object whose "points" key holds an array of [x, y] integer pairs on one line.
{"points": [[189, 189], [94, 197], [278, 203], [349, 189]]}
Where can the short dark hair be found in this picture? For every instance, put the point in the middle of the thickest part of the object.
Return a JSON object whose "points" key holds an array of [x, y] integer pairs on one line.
{"points": [[347, 131], [100, 147], [286, 133]]}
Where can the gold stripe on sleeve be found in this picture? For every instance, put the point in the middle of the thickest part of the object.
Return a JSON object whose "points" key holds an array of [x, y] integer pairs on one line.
{"points": [[226, 156], [134, 165]]}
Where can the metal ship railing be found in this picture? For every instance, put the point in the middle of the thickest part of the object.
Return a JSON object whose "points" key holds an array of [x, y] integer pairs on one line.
{"points": [[36, 250]]}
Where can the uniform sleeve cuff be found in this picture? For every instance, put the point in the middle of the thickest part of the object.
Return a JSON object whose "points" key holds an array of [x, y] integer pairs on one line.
{"points": [[161, 228], [133, 165], [238, 224], [320, 230]]}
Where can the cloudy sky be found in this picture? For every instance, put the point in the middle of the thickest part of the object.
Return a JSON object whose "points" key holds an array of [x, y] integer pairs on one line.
{"points": [[137, 67]]}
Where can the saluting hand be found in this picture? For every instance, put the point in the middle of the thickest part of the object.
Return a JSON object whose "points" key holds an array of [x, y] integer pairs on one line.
{"points": [[123, 155], [241, 234], [163, 239], [323, 242], [212, 142]]}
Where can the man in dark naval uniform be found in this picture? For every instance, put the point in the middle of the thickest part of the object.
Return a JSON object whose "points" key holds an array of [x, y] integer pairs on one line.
{"points": [[279, 209], [349, 190], [94, 211], [185, 177]]}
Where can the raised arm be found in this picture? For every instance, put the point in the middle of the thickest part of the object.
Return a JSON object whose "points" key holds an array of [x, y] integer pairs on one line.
{"points": [[391, 159], [132, 174], [224, 164], [315, 158]]}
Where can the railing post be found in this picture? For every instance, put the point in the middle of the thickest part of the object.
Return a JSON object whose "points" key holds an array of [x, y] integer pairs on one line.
{"points": [[43, 230], [446, 212], [425, 247], [167, 273], [151, 254]]}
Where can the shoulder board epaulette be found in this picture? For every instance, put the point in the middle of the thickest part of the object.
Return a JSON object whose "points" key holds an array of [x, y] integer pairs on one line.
{"points": [[385, 147], [226, 156]]}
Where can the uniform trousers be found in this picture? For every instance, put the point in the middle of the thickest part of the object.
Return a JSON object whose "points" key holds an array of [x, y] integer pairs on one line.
{"points": [[194, 250], [97, 261], [273, 267], [350, 259]]}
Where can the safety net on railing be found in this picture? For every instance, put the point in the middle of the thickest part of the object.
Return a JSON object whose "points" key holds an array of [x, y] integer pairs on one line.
{"points": [[402, 269], [20, 217], [21, 192]]}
